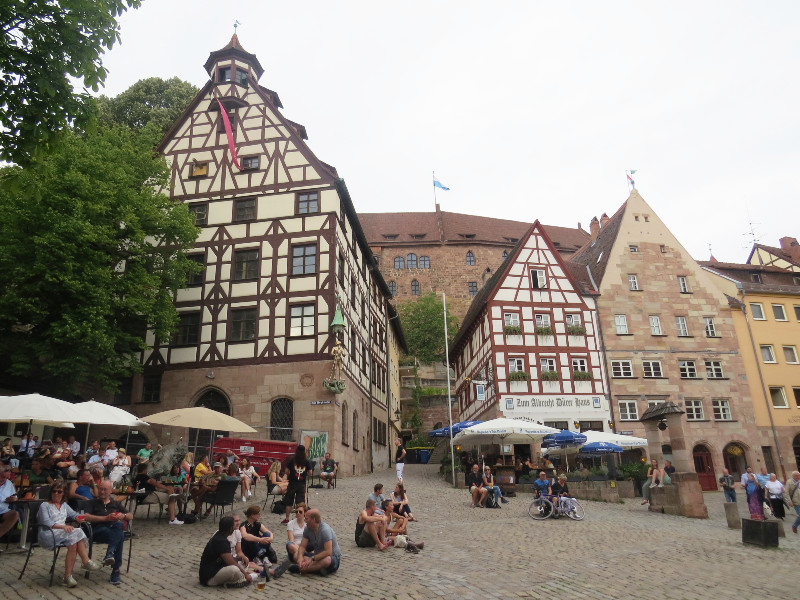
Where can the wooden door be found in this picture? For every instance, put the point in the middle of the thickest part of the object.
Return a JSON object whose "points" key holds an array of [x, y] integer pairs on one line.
{"points": [[704, 467]]}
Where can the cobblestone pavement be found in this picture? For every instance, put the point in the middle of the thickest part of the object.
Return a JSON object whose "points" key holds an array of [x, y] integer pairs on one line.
{"points": [[619, 551]]}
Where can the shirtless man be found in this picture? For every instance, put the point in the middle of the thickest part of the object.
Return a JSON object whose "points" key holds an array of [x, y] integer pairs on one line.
{"points": [[371, 528]]}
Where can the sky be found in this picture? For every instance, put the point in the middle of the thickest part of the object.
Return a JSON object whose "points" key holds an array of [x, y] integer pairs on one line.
{"points": [[525, 109]]}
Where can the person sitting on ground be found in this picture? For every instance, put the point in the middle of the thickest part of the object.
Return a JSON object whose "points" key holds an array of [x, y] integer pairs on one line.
{"points": [[83, 488], [217, 565], [120, 466], [235, 542], [329, 468], [490, 487], [8, 517], [377, 494], [474, 482], [400, 500], [277, 482], [37, 475], [319, 550], [395, 523], [145, 453], [256, 538], [54, 515], [156, 492], [297, 470], [295, 529], [107, 517], [542, 486], [248, 475], [370, 528]]}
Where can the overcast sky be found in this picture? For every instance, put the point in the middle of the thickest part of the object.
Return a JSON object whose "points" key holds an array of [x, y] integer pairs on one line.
{"points": [[525, 110]]}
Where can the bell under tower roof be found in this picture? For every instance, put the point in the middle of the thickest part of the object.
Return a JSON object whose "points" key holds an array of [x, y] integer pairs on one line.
{"points": [[233, 50]]}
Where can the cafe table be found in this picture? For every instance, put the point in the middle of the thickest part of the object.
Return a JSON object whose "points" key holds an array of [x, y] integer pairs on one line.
{"points": [[27, 506]]}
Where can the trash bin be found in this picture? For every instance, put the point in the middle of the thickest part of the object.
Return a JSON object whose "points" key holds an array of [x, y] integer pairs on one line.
{"points": [[411, 455], [424, 455]]}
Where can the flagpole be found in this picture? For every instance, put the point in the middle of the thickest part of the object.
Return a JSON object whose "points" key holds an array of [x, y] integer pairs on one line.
{"points": [[449, 402], [435, 202]]}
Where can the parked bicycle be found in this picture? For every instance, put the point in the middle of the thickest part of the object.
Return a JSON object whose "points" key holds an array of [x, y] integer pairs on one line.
{"points": [[542, 508]]}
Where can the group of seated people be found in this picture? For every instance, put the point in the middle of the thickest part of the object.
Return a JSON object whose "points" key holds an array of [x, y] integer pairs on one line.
{"points": [[481, 485], [384, 521], [242, 552]]}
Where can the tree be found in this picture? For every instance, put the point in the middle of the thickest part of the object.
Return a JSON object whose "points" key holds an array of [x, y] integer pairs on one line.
{"points": [[423, 327], [148, 101], [46, 43], [91, 254]]}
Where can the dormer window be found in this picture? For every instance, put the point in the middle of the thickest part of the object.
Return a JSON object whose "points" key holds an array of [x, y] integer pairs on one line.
{"points": [[223, 74], [417, 236], [755, 277], [512, 240], [390, 236], [241, 77], [467, 236]]}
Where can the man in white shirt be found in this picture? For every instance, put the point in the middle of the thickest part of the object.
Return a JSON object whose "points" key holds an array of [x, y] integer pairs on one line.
{"points": [[110, 453], [74, 445], [8, 517], [27, 446]]}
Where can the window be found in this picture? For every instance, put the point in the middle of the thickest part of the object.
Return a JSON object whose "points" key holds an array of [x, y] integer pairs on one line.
{"points": [[778, 397], [424, 262], [683, 284], [308, 203], [415, 287], [249, 163], [470, 258], [345, 436], [241, 77], [711, 330], [779, 312], [198, 169], [572, 319], [304, 259], [200, 276], [634, 249], [399, 262], [652, 368], [688, 369], [796, 391], [543, 320], [722, 410], [758, 311], [200, 212], [621, 368], [547, 364], [355, 430], [633, 282], [505, 254], [243, 324], [790, 354], [755, 277], [301, 320], [224, 74], [628, 410], [714, 369], [516, 364], [511, 319], [797, 312], [579, 364], [694, 410], [680, 325], [538, 279], [767, 354], [473, 288], [417, 236], [244, 209], [341, 270], [393, 288], [411, 261], [245, 265], [281, 419], [188, 331], [655, 325], [651, 402], [151, 389], [621, 323]]}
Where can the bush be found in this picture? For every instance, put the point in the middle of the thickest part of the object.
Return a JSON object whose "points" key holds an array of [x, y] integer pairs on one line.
{"points": [[636, 471]]}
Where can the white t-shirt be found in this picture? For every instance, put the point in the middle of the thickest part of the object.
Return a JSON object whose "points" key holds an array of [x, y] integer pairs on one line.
{"points": [[296, 530], [234, 539], [775, 488]]}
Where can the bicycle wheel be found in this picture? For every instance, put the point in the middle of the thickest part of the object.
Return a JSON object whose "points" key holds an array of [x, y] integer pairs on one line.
{"points": [[576, 511], [540, 509]]}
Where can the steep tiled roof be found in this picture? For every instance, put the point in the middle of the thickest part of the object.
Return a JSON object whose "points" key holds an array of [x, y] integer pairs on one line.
{"points": [[779, 252], [377, 225], [595, 253], [774, 280]]}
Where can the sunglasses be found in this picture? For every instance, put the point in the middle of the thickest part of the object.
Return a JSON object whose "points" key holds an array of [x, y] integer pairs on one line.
{"points": [[57, 492]]}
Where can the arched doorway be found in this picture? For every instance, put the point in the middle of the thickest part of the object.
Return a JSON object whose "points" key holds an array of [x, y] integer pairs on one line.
{"points": [[735, 459], [704, 466], [200, 440]]}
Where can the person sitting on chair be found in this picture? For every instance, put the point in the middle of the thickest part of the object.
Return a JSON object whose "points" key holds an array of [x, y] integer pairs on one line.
{"points": [[107, 517], [542, 485], [83, 488], [371, 528], [248, 475], [277, 482], [474, 482], [156, 492], [329, 468]]}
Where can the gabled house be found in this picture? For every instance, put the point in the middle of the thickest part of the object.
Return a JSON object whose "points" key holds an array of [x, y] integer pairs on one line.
{"points": [[529, 347]]}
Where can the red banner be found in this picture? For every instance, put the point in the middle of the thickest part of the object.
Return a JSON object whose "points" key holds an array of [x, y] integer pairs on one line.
{"points": [[229, 132]]}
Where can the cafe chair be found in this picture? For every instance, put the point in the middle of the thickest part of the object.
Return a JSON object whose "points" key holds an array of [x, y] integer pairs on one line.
{"points": [[35, 533], [224, 495], [142, 499], [129, 535]]}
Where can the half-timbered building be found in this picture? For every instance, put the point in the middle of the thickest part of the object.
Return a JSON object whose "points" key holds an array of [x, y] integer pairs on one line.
{"points": [[280, 250], [528, 347]]}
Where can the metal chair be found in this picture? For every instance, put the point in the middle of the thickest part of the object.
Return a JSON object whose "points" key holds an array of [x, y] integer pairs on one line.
{"points": [[223, 496], [129, 535], [141, 499]]}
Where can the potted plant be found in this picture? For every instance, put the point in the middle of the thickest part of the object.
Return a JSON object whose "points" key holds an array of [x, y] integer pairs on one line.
{"points": [[544, 330], [518, 376], [512, 330], [576, 330], [549, 376], [599, 473]]}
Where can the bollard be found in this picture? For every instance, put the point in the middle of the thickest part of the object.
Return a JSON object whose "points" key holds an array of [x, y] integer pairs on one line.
{"points": [[732, 515], [760, 533]]}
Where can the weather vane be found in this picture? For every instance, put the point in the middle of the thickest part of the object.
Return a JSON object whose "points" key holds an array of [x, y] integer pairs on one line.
{"points": [[235, 25], [629, 174]]}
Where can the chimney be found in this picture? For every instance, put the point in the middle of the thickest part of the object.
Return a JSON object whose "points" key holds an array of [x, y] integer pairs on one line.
{"points": [[791, 247], [594, 227], [604, 219]]}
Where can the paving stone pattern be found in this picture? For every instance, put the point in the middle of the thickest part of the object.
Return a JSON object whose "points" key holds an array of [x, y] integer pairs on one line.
{"points": [[619, 551]]}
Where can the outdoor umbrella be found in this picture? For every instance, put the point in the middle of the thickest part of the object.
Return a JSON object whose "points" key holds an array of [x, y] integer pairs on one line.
{"points": [[457, 427], [599, 448], [199, 417], [37, 408], [563, 439], [626, 441], [504, 431], [97, 413]]}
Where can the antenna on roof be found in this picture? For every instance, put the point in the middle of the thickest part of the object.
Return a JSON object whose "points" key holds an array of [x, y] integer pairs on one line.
{"points": [[751, 233]]}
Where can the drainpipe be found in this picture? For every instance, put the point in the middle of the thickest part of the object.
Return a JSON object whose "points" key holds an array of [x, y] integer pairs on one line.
{"points": [[761, 378]]}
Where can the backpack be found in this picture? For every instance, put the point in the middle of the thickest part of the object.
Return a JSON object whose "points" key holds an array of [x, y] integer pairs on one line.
{"points": [[187, 518], [279, 507]]}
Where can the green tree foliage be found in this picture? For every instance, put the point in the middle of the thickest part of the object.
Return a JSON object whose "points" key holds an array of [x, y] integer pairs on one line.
{"points": [[153, 101], [423, 327], [91, 253], [44, 44]]}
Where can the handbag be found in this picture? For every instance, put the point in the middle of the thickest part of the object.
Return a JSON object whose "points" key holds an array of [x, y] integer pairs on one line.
{"points": [[400, 541]]}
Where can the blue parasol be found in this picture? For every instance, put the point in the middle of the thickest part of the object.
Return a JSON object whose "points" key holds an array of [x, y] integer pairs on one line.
{"points": [[563, 439], [598, 448], [457, 427]]}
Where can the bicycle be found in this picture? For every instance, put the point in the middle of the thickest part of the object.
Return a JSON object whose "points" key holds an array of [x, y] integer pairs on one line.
{"points": [[542, 508]]}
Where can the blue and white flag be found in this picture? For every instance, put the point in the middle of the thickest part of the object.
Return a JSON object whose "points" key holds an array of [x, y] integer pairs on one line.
{"points": [[438, 184]]}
